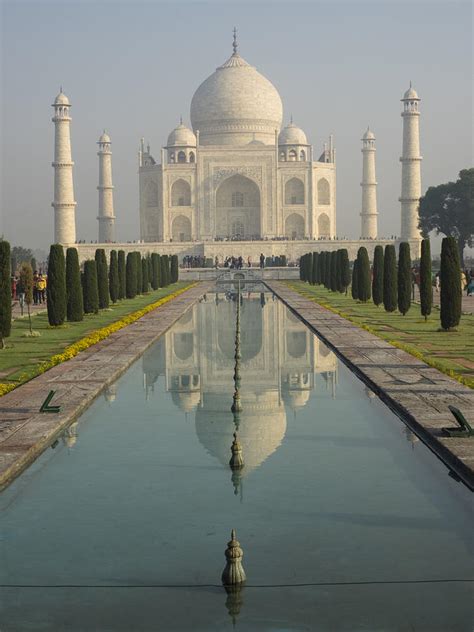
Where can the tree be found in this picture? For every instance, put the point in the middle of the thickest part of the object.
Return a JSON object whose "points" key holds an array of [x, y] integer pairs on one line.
{"points": [[33, 264], [334, 271], [139, 272], [56, 286], [363, 275], [26, 280], [90, 287], [5, 292], [18, 255], [74, 297], [302, 261], [322, 267], [449, 209], [377, 279], [344, 270], [102, 278], [450, 279], [121, 273], [390, 279], [309, 268], [114, 283], [145, 283], [426, 283], [327, 273], [155, 265], [164, 271], [131, 276], [174, 268], [315, 274], [355, 282], [150, 267], [404, 278]]}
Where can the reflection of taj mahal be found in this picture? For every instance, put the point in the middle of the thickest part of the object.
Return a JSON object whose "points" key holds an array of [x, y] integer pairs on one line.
{"points": [[279, 359]]}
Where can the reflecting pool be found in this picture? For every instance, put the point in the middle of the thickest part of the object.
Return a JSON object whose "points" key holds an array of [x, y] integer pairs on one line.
{"points": [[346, 520]]}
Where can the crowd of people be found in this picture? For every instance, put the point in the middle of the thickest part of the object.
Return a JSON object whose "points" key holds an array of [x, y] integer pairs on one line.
{"points": [[39, 289], [194, 261]]}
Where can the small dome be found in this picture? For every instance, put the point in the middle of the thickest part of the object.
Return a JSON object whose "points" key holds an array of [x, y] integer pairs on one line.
{"points": [[105, 138], [186, 401], [411, 93], [296, 399], [61, 99], [181, 136], [369, 135], [292, 135]]}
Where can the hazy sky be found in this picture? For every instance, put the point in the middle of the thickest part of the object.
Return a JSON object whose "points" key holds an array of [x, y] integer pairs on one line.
{"points": [[133, 67]]}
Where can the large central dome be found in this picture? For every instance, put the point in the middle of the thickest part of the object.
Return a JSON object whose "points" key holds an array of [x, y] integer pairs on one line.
{"points": [[236, 105]]}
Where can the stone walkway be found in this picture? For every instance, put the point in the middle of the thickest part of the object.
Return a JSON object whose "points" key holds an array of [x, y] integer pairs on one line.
{"points": [[25, 432], [467, 302], [418, 393]]}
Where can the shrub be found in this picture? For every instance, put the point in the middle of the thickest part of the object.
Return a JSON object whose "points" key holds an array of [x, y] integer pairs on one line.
{"points": [[327, 271], [121, 274], [131, 276], [174, 269], [90, 287], [139, 269], [5, 292], [74, 298], [154, 279], [309, 268], [334, 271], [315, 275], [450, 279], [114, 277], [390, 279], [145, 283], [56, 286], [426, 286], [26, 281], [363, 275], [404, 278], [355, 282], [377, 278], [102, 278], [165, 271], [344, 270]]}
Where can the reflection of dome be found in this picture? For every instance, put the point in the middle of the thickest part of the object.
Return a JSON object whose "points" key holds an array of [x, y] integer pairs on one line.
{"points": [[251, 320], [236, 105], [296, 399], [186, 401], [110, 393], [260, 434], [292, 135], [181, 136]]}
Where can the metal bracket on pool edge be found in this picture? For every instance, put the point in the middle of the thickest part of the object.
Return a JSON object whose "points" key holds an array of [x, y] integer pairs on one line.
{"points": [[46, 408], [464, 429]]}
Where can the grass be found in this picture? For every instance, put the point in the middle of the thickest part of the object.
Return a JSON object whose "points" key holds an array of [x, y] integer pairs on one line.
{"points": [[450, 352], [23, 355]]}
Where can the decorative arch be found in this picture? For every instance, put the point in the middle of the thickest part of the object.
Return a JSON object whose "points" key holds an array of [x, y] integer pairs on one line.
{"points": [[192, 157], [183, 345], [324, 194], [180, 193], [181, 229], [238, 212], [303, 155], [181, 156], [151, 193], [296, 343], [294, 226], [294, 191], [324, 225]]}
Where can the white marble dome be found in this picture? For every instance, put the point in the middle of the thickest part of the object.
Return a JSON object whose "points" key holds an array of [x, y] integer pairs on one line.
{"points": [[368, 135], [61, 99], [292, 135], [236, 105], [105, 138], [411, 93], [181, 136]]}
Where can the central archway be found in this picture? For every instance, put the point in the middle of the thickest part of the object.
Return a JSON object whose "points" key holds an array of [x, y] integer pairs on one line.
{"points": [[238, 214]]}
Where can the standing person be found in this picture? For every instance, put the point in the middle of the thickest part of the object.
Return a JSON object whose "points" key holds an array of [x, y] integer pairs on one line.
{"points": [[20, 292], [249, 262], [262, 260], [35, 288], [13, 288], [41, 289], [216, 262], [437, 283]]}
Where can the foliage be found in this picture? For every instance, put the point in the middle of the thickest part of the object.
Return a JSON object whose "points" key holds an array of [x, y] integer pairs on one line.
{"points": [[102, 278], [390, 279], [56, 286], [114, 282], [363, 275], [174, 268], [334, 274], [139, 269], [327, 271], [450, 279], [355, 282], [74, 297], [155, 264], [145, 283], [131, 276], [426, 285], [5, 292], [26, 281], [404, 278], [121, 274], [165, 270], [449, 209], [377, 278], [309, 268], [344, 270], [315, 274], [18, 255], [90, 289]]}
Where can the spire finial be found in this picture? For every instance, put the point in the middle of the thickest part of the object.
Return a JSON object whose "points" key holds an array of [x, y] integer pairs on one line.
{"points": [[181, 119], [60, 88], [410, 83], [291, 118], [234, 43]]}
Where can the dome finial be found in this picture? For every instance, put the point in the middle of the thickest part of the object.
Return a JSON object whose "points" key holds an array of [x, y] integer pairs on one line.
{"points": [[60, 88], [181, 119], [291, 118], [234, 43], [410, 83]]}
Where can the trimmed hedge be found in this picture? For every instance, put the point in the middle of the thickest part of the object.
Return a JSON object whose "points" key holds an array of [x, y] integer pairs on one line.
{"points": [[390, 279], [450, 279], [426, 285], [90, 287], [74, 298], [377, 278], [404, 278], [56, 286], [5, 292]]}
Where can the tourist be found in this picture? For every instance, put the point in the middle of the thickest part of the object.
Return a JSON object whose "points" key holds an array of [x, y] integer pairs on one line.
{"points": [[41, 286], [262, 260], [437, 282], [35, 288], [21, 293], [249, 262], [14, 282], [216, 262]]}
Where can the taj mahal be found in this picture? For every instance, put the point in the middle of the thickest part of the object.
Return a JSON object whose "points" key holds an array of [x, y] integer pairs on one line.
{"points": [[239, 180]]}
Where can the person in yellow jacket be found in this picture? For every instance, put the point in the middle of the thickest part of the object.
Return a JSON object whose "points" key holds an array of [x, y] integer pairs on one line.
{"points": [[41, 287]]}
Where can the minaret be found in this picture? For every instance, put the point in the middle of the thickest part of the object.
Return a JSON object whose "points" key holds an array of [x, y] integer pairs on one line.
{"points": [[106, 215], [369, 188], [64, 204], [411, 167]]}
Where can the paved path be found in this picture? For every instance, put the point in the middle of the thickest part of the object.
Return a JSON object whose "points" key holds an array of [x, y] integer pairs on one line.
{"points": [[467, 305], [25, 433], [418, 393], [35, 309]]}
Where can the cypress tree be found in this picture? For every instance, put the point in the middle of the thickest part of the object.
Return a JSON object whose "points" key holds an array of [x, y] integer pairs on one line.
{"points": [[404, 278], [74, 298], [139, 272], [155, 283], [90, 287], [363, 275], [5, 292], [26, 280], [377, 279], [450, 279], [426, 285], [102, 278], [145, 283], [355, 280], [150, 268], [315, 268], [130, 276], [56, 286], [121, 274], [174, 268], [302, 267], [334, 271], [33, 264], [322, 267], [114, 283], [309, 268], [165, 270], [327, 275], [390, 279], [344, 270]]}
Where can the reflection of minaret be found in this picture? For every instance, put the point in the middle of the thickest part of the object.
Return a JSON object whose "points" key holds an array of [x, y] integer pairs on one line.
{"points": [[106, 215], [411, 165], [369, 188]]}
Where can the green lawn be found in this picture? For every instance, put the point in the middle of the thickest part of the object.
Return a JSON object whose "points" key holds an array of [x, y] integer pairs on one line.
{"points": [[451, 352], [23, 355]]}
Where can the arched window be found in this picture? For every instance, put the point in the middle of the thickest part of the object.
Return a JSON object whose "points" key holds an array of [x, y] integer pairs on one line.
{"points": [[181, 157], [294, 191], [181, 228], [294, 226], [324, 226], [191, 156], [237, 199], [302, 155], [324, 195], [180, 193], [292, 154], [282, 156], [172, 157]]}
